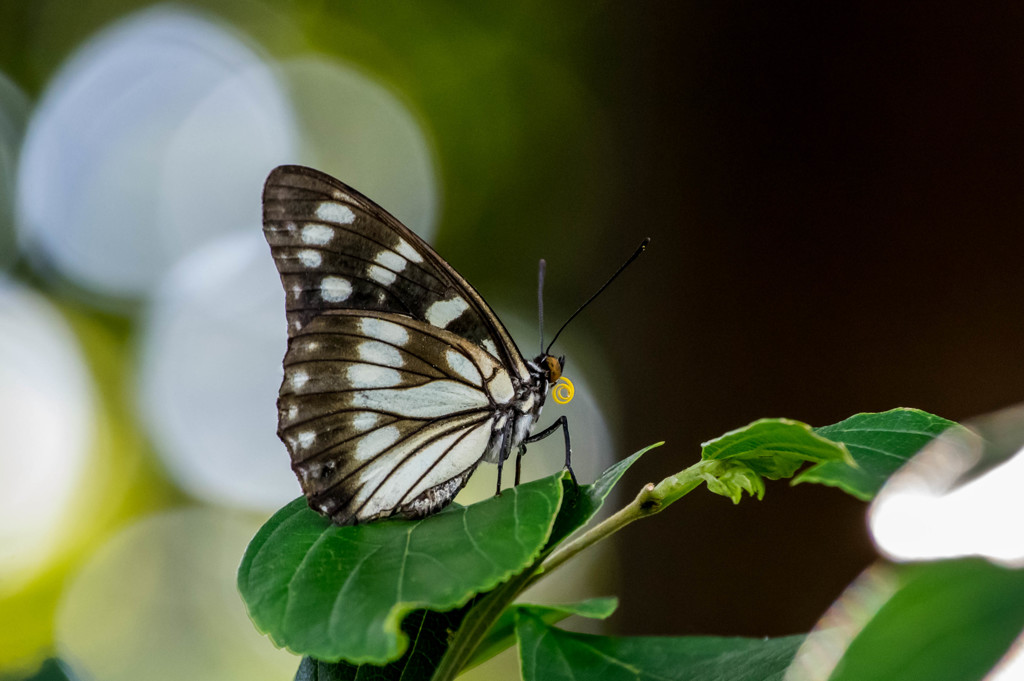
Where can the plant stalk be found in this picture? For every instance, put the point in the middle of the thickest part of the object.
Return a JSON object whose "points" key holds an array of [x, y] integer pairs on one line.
{"points": [[652, 499]]}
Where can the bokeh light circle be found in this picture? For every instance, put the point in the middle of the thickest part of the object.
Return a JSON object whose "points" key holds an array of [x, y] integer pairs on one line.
{"points": [[153, 137], [210, 369], [158, 602], [47, 417], [354, 128]]}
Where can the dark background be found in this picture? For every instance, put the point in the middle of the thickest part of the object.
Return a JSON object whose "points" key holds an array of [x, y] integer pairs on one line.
{"points": [[833, 192]]}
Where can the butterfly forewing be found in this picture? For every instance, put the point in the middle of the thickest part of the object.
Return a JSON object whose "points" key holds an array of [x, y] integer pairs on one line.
{"points": [[336, 249]]}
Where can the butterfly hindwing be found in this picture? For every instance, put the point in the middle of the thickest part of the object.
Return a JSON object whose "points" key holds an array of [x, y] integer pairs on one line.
{"points": [[336, 249], [379, 409]]}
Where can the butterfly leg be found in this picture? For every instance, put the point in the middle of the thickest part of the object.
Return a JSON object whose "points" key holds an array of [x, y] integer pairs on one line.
{"points": [[519, 462], [560, 422], [506, 449]]}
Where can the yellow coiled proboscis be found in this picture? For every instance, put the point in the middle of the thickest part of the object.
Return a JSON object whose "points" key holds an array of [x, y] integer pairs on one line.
{"points": [[562, 392]]}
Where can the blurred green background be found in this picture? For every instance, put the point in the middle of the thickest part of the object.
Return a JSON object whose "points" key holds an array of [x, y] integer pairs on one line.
{"points": [[834, 193]]}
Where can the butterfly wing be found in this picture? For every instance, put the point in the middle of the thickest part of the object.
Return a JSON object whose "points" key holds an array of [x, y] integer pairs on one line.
{"points": [[384, 414], [396, 368], [337, 250]]}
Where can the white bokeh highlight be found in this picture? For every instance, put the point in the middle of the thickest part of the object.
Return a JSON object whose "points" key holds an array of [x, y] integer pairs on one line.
{"points": [[153, 138], [158, 601], [357, 130], [47, 415], [1011, 667], [938, 506], [210, 369]]}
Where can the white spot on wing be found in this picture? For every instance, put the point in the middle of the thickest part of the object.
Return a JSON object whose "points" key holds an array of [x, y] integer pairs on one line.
{"points": [[329, 211], [391, 260], [381, 275], [369, 376], [372, 444], [335, 289], [364, 420], [389, 332], [444, 312], [297, 290], [430, 400], [380, 353], [408, 251], [501, 388], [461, 365], [310, 258], [293, 411], [305, 438], [316, 235], [298, 379]]}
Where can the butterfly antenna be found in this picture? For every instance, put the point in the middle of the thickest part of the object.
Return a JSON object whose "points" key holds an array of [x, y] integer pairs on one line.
{"points": [[636, 254], [540, 300]]}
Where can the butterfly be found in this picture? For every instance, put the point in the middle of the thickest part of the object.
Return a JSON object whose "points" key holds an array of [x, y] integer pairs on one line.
{"points": [[399, 379]]}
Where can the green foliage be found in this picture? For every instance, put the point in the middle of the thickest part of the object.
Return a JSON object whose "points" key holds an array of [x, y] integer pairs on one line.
{"points": [[552, 654], [879, 443], [738, 461], [430, 598], [942, 621]]}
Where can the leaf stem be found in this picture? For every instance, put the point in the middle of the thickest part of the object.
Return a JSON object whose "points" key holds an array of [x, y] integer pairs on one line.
{"points": [[652, 499], [476, 625]]}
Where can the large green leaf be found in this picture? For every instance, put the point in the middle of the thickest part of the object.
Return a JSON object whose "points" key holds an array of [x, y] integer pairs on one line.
{"points": [[551, 654], [880, 444], [342, 592], [943, 621]]}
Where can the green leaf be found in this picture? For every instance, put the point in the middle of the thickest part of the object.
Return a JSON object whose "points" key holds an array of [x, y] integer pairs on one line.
{"points": [[880, 444], [551, 654], [768, 448], [502, 634], [342, 592], [945, 621]]}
